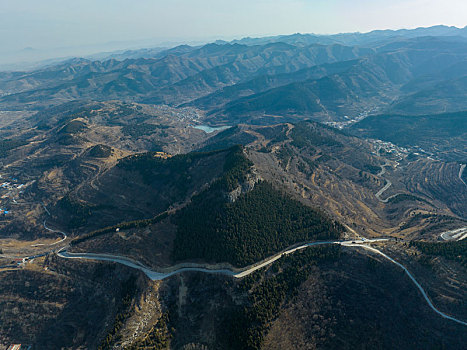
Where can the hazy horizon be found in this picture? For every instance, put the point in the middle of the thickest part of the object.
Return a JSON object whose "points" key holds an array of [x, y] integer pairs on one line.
{"points": [[32, 30]]}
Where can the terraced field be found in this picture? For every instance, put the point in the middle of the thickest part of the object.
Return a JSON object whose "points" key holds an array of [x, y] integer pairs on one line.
{"points": [[439, 181]]}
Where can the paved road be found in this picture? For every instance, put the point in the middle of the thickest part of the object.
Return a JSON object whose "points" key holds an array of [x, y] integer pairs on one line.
{"points": [[64, 235], [455, 235], [51, 230], [425, 296], [381, 191], [388, 183], [159, 275], [386, 186], [461, 171], [458, 234], [55, 231], [239, 273], [152, 274], [207, 268], [383, 168]]}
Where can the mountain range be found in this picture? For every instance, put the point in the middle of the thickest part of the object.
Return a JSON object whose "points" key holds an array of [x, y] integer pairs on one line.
{"points": [[289, 192], [408, 72]]}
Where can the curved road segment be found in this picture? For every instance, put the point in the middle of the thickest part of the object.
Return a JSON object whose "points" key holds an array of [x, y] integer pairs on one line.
{"points": [[158, 275], [165, 273], [461, 171], [64, 235], [457, 234], [54, 231], [425, 296]]}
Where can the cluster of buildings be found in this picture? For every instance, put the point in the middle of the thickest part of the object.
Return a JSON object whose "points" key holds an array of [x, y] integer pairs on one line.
{"points": [[162, 155], [19, 347], [352, 120], [9, 190], [12, 184], [417, 150], [9, 185], [389, 148], [184, 113], [401, 152]]}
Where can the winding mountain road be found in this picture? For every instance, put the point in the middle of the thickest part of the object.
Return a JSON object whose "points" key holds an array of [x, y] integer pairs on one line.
{"points": [[386, 186], [164, 273], [206, 268], [388, 183], [54, 231], [420, 288], [240, 273], [382, 190], [461, 171], [64, 235], [455, 235]]}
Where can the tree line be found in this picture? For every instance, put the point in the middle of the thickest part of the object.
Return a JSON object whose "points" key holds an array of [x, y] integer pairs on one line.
{"points": [[8, 145], [122, 226], [247, 326], [456, 251], [258, 224]]}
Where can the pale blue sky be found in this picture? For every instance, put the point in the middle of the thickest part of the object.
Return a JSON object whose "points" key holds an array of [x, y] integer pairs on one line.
{"points": [[46, 24]]}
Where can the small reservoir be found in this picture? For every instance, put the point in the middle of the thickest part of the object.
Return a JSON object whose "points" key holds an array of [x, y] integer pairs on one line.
{"points": [[209, 129]]}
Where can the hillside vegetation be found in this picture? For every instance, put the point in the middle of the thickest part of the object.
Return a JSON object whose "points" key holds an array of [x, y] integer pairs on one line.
{"points": [[326, 78], [443, 134], [139, 187], [220, 156], [257, 224], [456, 251]]}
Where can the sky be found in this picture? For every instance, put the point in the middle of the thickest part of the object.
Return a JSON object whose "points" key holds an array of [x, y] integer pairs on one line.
{"points": [[100, 25]]}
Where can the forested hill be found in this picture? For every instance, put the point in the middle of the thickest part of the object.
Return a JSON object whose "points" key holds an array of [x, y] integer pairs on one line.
{"points": [[260, 222], [149, 182]]}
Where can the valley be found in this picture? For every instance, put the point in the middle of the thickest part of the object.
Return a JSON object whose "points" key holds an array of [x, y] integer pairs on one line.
{"points": [[280, 151], [289, 192]]}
